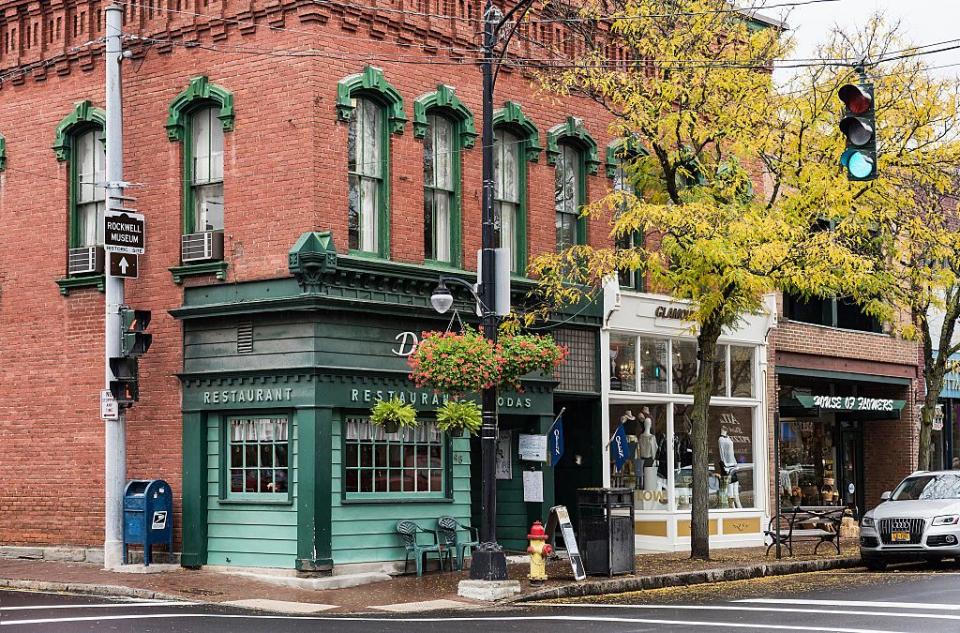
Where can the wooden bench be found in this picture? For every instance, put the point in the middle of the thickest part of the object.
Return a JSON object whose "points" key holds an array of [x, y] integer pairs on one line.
{"points": [[807, 523]]}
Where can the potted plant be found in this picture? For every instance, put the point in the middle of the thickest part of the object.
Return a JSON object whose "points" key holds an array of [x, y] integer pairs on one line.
{"points": [[455, 363], [524, 353], [459, 415], [393, 414]]}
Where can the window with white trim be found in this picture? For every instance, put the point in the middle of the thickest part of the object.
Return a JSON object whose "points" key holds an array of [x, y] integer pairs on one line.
{"points": [[90, 156], [258, 456], [506, 196], [439, 187], [206, 177]]}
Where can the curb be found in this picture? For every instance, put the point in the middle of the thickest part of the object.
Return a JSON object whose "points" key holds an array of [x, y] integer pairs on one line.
{"points": [[115, 591], [641, 583]]}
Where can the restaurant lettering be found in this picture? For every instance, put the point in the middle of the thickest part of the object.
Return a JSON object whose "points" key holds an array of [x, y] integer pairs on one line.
{"points": [[278, 394], [426, 398]]}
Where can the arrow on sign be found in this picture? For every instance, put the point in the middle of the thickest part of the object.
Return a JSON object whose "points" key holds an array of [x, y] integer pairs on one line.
{"points": [[123, 265]]}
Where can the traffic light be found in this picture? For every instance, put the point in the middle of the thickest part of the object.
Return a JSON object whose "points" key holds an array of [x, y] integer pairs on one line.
{"points": [[124, 387], [858, 125], [134, 343]]}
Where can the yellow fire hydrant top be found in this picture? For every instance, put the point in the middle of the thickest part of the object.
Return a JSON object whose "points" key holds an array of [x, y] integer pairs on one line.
{"points": [[538, 549]]}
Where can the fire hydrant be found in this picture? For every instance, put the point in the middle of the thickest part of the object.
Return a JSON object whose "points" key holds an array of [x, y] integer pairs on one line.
{"points": [[538, 549]]}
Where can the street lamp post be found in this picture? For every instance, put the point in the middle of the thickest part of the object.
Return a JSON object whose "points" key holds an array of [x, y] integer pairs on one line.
{"points": [[489, 561]]}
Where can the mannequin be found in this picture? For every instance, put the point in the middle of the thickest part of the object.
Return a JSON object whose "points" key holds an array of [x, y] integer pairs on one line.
{"points": [[646, 454], [729, 460]]}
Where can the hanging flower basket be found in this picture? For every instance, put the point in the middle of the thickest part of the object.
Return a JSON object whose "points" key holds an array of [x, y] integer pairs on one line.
{"points": [[393, 414], [459, 416], [524, 353], [454, 363]]}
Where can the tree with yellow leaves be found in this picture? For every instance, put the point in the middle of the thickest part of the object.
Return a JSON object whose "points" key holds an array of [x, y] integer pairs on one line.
{"points": [[698, 115], [910, 208]]}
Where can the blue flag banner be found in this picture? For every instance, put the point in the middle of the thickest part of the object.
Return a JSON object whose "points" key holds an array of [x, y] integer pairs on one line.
{"points": [[555, 440], [618, 447]]}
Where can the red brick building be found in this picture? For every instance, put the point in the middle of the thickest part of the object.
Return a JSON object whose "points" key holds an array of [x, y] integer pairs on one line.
{"points": [[236, 122]]}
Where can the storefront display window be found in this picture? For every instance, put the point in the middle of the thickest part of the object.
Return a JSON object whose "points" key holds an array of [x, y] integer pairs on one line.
{"points": [[410, 461], [808, 459], [258, 456], [720, 372], [623, 363], [741, 371], [644, 467], [684, 366], [653, 365]]}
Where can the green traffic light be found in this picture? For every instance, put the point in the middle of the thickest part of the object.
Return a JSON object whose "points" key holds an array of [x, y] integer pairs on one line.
{"points": [[858, 164]]}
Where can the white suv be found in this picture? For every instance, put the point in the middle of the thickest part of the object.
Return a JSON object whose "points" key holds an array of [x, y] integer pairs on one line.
{"points": [[919, 520]]}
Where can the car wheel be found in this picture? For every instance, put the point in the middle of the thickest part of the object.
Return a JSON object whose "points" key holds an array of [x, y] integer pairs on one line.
{"points": [[875, 565]]}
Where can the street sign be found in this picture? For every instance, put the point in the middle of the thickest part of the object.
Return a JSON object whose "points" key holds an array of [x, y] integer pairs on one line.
{"points": [[123, 265], [108, 406], [123, 232]]}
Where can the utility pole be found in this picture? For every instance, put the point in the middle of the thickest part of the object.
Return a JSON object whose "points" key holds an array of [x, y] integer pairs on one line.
{"points": [[488, 562], [115, 446]]}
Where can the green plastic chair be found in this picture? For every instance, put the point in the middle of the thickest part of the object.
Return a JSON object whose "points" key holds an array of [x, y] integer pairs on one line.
{"points": [[409, 531], [449, 530]]}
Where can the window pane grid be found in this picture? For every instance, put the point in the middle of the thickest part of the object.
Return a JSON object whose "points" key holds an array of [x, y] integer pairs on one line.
{"points": [[364, 163], [506, 168], [567, 196], [439, 187], [207, 170], [258, 455], [377, 462]]}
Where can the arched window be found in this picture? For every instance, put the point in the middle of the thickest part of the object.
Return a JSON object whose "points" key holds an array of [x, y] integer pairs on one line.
{"points": [[198, 118], [621, 155], [573, 152], [440, 176], [516, 141], [80, 141], [373, 110], [365, 164], [446, 126]]}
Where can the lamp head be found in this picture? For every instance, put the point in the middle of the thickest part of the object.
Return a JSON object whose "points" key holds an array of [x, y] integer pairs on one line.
{"points": [[441, 299]]}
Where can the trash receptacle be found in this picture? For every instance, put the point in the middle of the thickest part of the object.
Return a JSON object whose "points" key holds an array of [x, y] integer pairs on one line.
{"points": [[606, 530], [147, 516]]}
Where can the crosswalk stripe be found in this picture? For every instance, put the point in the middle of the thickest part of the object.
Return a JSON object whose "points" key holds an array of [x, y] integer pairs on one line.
{"points": [[699, 607], [107, 605], [739, 626], [855, 603]]}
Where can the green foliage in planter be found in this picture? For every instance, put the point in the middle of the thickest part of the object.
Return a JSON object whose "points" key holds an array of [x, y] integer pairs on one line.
{"points": [[524, 353], [393, 412], [455, 415]]}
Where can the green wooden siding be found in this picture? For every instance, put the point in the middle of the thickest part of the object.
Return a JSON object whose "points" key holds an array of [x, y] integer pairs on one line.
{"points": [[365, 532], [248, 534]]}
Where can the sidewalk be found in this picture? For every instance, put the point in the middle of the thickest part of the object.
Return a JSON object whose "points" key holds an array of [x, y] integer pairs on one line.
{"points": [[409, 593]]}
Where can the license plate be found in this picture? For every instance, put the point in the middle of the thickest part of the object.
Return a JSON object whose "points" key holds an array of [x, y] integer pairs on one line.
{"points": [[900, 537]]}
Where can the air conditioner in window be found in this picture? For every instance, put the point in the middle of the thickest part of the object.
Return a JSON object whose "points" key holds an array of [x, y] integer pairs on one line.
{"points": [[85, 260], [202, 247]]}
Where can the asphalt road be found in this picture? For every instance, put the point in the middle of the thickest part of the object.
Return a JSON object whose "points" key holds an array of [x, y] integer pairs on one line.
{"points": [[911, 600]]}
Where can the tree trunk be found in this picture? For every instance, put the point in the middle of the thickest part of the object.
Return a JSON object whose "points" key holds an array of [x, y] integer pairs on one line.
{"points": [[933, 378], [702, 390]]}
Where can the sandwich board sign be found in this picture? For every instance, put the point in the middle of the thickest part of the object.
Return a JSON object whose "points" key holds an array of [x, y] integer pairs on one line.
{"points": [[560, 517]]}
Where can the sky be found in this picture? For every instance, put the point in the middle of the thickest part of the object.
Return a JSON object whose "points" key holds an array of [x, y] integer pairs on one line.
{"points": [[923, 22]]}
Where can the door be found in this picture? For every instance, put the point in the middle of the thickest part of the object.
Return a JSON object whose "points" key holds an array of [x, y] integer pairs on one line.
{"points": [[851, 466]]}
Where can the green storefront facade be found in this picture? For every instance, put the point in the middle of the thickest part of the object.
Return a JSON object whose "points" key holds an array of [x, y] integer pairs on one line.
{"points": [[281, 467]]}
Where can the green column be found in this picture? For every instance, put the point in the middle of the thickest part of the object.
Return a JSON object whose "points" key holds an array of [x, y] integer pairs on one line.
{"points": [[315, 488], [194, 490], [539, 511]]}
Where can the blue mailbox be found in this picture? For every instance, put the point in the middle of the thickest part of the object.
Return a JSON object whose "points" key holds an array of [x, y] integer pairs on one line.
{"points": [[147, 516]]}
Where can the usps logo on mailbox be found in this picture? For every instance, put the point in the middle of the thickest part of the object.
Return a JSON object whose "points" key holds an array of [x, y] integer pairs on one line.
{"points": [[159, 520]]}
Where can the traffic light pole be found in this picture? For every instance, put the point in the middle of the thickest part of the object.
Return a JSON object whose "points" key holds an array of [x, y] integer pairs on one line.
{"points": [[115, 448]]}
